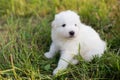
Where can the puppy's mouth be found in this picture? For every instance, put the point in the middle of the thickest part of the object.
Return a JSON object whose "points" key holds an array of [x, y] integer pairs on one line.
{"points": [[71, 36]]}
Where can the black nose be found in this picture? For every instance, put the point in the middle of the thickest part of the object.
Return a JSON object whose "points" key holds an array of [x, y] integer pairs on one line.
{"points": [[71, 33]]}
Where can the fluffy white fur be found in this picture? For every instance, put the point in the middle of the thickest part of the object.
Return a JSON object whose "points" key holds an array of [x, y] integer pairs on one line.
{"points": [[67, 34]]}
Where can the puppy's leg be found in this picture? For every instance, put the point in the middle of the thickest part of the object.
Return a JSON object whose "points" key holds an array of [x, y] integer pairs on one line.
{"points": [[74, 61], [91, 54], [52, 51], [65, 59]]}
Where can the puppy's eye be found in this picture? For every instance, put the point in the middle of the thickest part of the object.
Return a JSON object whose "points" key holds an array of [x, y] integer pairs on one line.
{"points": [[63, 25], [75, 24]]}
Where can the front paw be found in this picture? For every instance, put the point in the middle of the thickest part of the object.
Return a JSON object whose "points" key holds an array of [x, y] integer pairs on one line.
{"points": [[56, 71], [48, 55]]}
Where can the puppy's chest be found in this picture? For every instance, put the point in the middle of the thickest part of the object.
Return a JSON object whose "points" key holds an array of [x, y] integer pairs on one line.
{"points": [[68, 45]]}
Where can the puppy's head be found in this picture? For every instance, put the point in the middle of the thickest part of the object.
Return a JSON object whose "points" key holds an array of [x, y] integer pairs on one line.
{"points": [[66, 24]]}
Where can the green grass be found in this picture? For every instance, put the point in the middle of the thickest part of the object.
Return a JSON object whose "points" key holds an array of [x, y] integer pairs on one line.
{"points": [[25, 37]]}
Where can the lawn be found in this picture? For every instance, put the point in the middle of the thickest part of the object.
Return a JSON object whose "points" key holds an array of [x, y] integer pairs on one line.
{"points": [[25, 27]]}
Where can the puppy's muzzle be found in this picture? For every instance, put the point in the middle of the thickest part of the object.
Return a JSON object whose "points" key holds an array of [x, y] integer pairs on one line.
{"points": [[71, 33]]}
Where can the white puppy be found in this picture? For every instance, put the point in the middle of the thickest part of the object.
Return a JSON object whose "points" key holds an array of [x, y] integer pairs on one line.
{"points": [[67, 34]]}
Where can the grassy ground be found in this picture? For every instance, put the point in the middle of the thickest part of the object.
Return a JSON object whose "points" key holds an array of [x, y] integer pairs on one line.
{"points": [[25, 36]]}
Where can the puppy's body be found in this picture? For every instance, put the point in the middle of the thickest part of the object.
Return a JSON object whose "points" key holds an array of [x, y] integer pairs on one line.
{"points": [[67, 34]]}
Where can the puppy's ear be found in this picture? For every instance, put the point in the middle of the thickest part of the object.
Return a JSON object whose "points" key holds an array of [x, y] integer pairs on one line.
{"points": [[79, 18], [53, 24]]}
